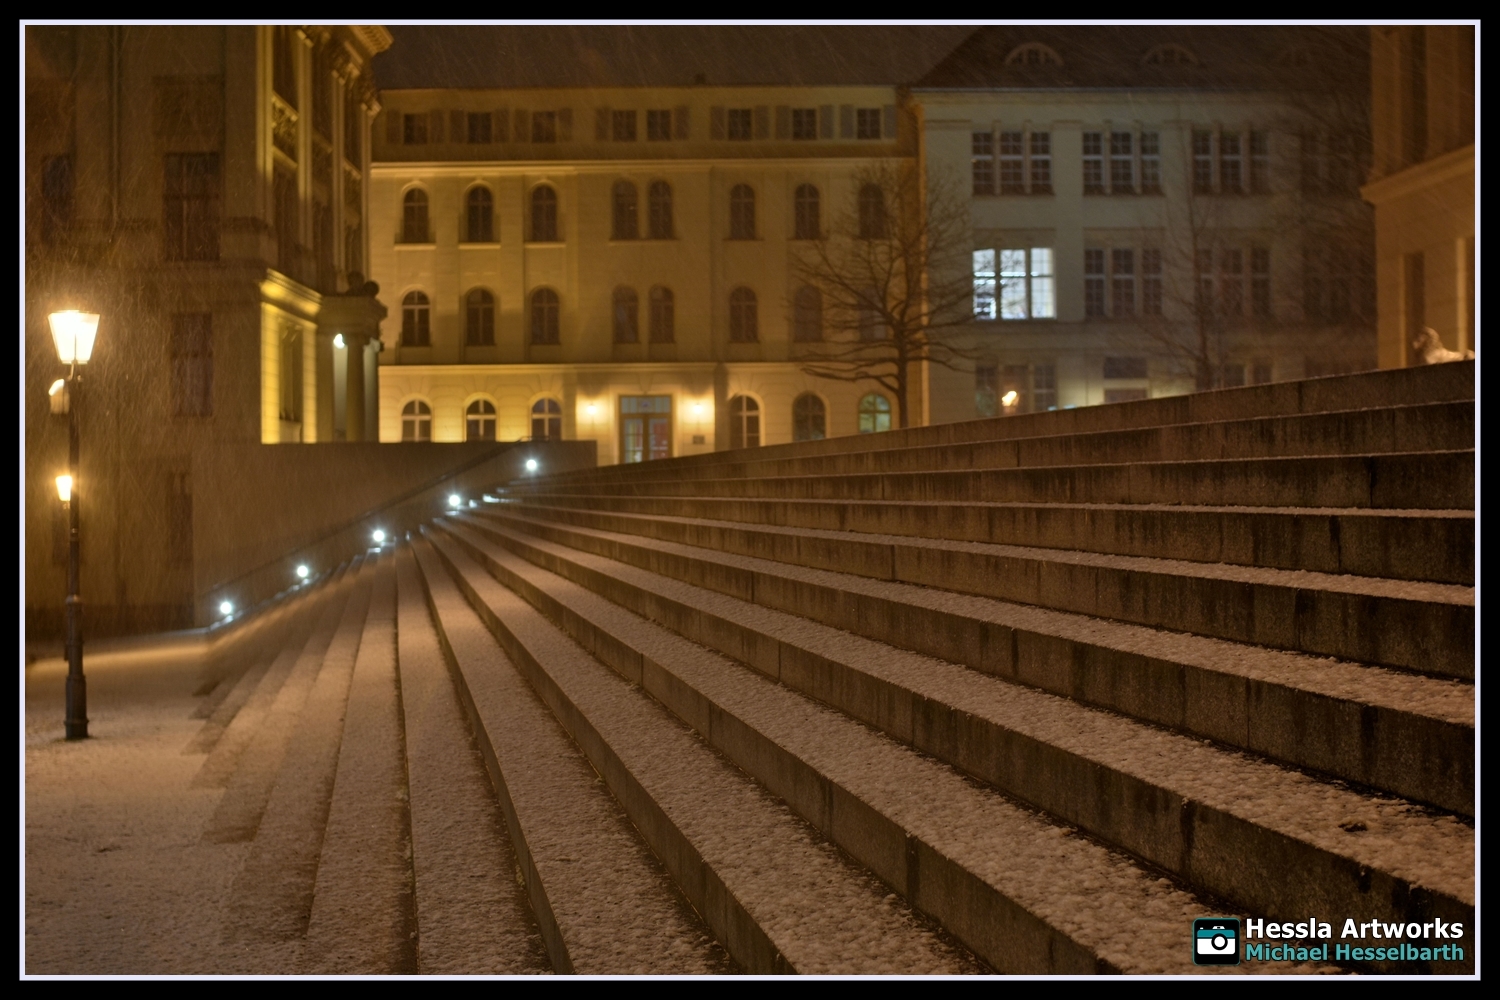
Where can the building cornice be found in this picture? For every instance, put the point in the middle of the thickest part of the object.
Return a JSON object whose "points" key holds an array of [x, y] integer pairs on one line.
{"points": [[1437, 170], [469, 167]]}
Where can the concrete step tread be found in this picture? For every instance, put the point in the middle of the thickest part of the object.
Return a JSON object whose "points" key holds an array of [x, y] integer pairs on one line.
{"points": [[821, 913], [1410, 842], [604, 903], [1121, 916], [472, 916], [1344, 678], [1300, 579]]}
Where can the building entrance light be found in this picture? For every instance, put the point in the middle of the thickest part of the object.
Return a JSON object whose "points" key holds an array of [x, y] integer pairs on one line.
{"points": [[73, 334]]}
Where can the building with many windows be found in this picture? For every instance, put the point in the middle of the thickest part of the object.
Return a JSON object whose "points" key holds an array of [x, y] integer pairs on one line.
{"points": [[1153, 209]]}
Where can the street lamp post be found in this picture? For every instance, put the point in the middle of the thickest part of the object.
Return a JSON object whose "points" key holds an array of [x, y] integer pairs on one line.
{"points": [[73, 333]]}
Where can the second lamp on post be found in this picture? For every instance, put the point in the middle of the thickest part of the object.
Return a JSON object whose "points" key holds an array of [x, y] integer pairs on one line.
{"points": [[73, 332]]}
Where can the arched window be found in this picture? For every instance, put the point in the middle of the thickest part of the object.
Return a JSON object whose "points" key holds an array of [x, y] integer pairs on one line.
{"points": [[1033, 54], [544, 316], [874, 414], [626, 226], [414, 217], [871, 321], [742, 212], [663, 316], [543, 214], [809, 418], [627, 316], [660, 197], [1169, 55], [808, 223], [479, 318], [871, 212], [481, 227], [416, 421], [744, 422], [416, 320], [479, 421], [744, 324], [546, 420], [807, 315]]}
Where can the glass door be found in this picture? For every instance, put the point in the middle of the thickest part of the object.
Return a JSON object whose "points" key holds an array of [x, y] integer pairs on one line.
{"points": [[645, 428]]}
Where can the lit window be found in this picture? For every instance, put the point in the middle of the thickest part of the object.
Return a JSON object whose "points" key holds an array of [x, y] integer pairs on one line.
{"points": [[546, 420], [984, 284], [744, 327], [1025, 283], [874, 414], [744, 422], [416, 329], [809, 418], [479, 420], [1013, 284], [416, 421]]}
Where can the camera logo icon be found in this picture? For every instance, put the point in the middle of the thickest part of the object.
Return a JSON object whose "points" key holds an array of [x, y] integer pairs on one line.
{"points": [[1216, 941]]}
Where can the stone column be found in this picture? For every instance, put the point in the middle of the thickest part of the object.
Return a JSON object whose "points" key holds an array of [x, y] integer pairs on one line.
{"points": [[354, 387], [356, 315]]}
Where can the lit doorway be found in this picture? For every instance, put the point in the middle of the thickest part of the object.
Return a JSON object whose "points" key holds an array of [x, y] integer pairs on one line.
{"points": [[645, 428]]}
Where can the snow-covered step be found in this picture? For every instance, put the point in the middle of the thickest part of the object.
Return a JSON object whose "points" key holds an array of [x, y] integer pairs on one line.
{"points": [[778, 895], [1268, 838], [1431, 545], [1028, 895], [1415, 625], [603, 903]]}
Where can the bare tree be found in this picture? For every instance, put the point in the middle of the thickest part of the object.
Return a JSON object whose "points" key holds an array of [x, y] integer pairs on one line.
{"points": [[887, 285]]}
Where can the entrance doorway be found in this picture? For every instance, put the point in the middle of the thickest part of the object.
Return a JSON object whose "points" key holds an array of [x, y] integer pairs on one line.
{"points": [[645, 428]]}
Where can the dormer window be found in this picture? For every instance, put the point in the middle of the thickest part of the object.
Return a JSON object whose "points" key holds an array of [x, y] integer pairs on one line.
{"points": [[1033, 54], [1169, 55]]}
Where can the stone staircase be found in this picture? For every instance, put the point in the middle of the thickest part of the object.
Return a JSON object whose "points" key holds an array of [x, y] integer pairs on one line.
{"points": [[1022, 695]]}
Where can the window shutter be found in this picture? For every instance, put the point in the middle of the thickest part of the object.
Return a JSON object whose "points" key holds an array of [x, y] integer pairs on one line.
{"points": [[762, 122], [888, 121], [458, 126], [502, 126], [716, 122], [601, 124], [680, 123], [846, 121], [783, 122], [564, 124], [435, 126], [523, 126], [825, 122], [393, 127]]}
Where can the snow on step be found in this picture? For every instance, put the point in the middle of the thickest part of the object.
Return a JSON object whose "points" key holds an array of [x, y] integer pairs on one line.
{"points": [[603, 902], [781, 897], [471, 914]]}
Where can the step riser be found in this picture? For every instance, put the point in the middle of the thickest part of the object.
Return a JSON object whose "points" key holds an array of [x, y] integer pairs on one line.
{"points": [[1438, 427], [1197, 843], [1436, 549], [1411, 634], [1442, 481], [1412, 755]]}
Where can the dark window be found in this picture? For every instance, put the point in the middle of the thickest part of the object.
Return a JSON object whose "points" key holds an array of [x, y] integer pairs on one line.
{"points": [[663, 317], [1150, 163], [1232, 282], [744, 326], [414, 129], [658, 125], [414, 217], [291, 374], [321, 86], [544, 316], [543, 215], [627, 322], [355, 121], [625, 212], [807, 315], [179, 519], [284, 63], [190, 206], [741, 124], [1044, 387], [192, 365], [807, 225], [1151, 288], [1041, 163], [742, 212], [1093, 282], [480, 127], [479, 319], [624, 126], [416, 421], [284, 197], [1260, 163], [744, 422], [982, 150], [416, 330], [872, 222], [986, 390], [871, 319], [546, 420], [867, 123], [1124, 367], [1121, 163], [1203, 161], [479, 421], [57, 196], [804, 123], [1123, 287], [1012, 163], [1260, 282], [659, 195], [481, 220], [1093, 163], [809, 418], [544, 126]]}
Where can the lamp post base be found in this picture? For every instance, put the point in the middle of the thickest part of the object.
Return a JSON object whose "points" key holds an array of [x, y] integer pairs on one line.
{"points": [[76, 727]]}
